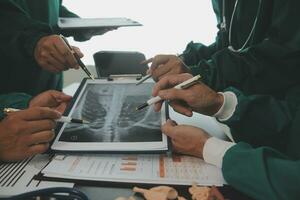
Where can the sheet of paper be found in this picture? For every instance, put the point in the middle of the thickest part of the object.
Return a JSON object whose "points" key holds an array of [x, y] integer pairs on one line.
{"points": [[67, 23], [16, 178], [159, 169]]}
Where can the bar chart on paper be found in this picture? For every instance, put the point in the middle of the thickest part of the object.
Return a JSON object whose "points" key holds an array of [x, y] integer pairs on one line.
{"points": [[176, 170]]}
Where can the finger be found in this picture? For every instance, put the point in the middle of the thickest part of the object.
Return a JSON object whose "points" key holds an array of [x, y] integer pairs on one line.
{"points": [[38, 126], [78, 51], [147, 61], [160, 71], [60, 96], [159, 60], [48, 66], [38, 113], [62, 107], [40, 137], [37, 149], [173, 94], [169, 128], [181, 108], [169, 82], [65, 51], [157, 106], [55, 63]]}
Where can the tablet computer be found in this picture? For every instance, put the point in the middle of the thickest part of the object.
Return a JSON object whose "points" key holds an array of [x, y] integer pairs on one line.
{"points": [[115, 125]]}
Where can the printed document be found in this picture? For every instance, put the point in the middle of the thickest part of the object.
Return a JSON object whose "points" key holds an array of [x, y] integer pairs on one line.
{"points": [[154, 168]]}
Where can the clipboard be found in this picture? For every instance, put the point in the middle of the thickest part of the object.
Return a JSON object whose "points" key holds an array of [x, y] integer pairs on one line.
{"points": [[108, 103], [71, 23]]}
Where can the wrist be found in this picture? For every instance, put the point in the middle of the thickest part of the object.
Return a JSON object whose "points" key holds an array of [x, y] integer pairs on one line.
{"points": [[202, 145], [218, 104]]}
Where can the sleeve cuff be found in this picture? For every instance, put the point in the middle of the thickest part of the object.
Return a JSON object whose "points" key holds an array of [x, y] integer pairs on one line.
{"points": [[228, 108], [214, 151]]}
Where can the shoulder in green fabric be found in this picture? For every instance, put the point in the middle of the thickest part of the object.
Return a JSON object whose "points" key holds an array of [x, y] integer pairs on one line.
{"points": [[271, 53], [46, 11]]}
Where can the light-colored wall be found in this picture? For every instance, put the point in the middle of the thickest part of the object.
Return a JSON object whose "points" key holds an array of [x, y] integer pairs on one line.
{"points": [[168, 25]]}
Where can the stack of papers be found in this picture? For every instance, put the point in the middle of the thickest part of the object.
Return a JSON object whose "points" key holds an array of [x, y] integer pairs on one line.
{"points": [[17, 177], [151, 169]]}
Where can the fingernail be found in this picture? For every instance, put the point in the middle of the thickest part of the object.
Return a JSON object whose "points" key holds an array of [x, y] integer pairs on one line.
{"points": [[59, 114]]}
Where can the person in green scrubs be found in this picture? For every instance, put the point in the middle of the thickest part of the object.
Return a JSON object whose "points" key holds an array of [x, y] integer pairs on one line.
{"points": [[263, 162], [29, 131], [257, 53], [31, 52]]}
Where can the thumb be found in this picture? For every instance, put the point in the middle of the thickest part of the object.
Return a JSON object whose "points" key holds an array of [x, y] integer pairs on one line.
{"points": [[168, 128], [77, 51]]}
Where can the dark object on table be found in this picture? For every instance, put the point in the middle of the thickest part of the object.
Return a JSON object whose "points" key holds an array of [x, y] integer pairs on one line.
{"points": [[119, 62]]}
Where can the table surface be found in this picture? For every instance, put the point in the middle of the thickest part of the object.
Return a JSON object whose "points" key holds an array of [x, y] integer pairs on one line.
{"points": [[111, 193]]}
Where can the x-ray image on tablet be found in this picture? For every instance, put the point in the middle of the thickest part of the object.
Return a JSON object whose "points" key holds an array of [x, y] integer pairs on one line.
{"points": [[115, 125]]}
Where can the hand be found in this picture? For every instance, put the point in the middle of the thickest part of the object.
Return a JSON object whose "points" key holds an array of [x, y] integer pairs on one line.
{"points": [[52, 99], [186, 139], [198, 98], [163, 65], [26, 133], [52, 54]]}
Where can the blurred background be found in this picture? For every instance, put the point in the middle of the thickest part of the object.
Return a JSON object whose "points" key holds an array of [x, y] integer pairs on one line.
{"points": [[168, 25]]}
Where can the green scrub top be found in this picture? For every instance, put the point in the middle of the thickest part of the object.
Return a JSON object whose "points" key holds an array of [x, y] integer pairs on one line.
{"points": [[265, 162], [270, 64], [23, 23]]}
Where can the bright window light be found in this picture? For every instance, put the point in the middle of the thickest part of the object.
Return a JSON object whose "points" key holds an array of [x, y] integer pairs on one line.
{"points": [[168, 25]]}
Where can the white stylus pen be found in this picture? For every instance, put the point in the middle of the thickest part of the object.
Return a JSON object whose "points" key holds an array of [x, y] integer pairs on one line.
{"points": [[182, 85], [63, 119]]}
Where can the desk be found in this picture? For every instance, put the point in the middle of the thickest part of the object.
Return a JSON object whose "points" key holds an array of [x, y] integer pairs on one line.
{"points": [[98, 192]]}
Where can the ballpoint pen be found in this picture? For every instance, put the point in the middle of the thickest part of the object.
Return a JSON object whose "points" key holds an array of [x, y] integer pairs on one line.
{"points": [[182, 85], [81, 64], [63, 119], [150, 75], [143, 79]]}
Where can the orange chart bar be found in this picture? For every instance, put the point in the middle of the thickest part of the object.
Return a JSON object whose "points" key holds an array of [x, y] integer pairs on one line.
{"points": [[130, 163], [130, 158], [128, 169], [161, 166]]}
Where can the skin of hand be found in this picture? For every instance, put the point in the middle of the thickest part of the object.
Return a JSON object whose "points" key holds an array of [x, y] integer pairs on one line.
{"points": [[26, 133], [181, 135], [199, 97], [52, 99], [52, 54], [163, 65]]}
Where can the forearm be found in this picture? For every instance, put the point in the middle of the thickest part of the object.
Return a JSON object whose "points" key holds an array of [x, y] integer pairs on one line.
{"points": [[195, 52], [257, 118], [13, 100], [261, 173]]}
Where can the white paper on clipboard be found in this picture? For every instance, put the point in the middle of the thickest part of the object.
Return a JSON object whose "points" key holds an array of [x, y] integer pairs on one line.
{"points": [[74, 22]]}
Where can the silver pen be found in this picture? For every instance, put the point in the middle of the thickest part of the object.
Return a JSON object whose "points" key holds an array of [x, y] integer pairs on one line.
{"points": [[143, 79], [63, 119]]}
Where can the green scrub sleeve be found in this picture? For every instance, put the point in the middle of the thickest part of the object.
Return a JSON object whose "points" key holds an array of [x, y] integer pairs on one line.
{"points": [[262, 173], [21, 33], [13, 100], [197, 51], [257, 118]]}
